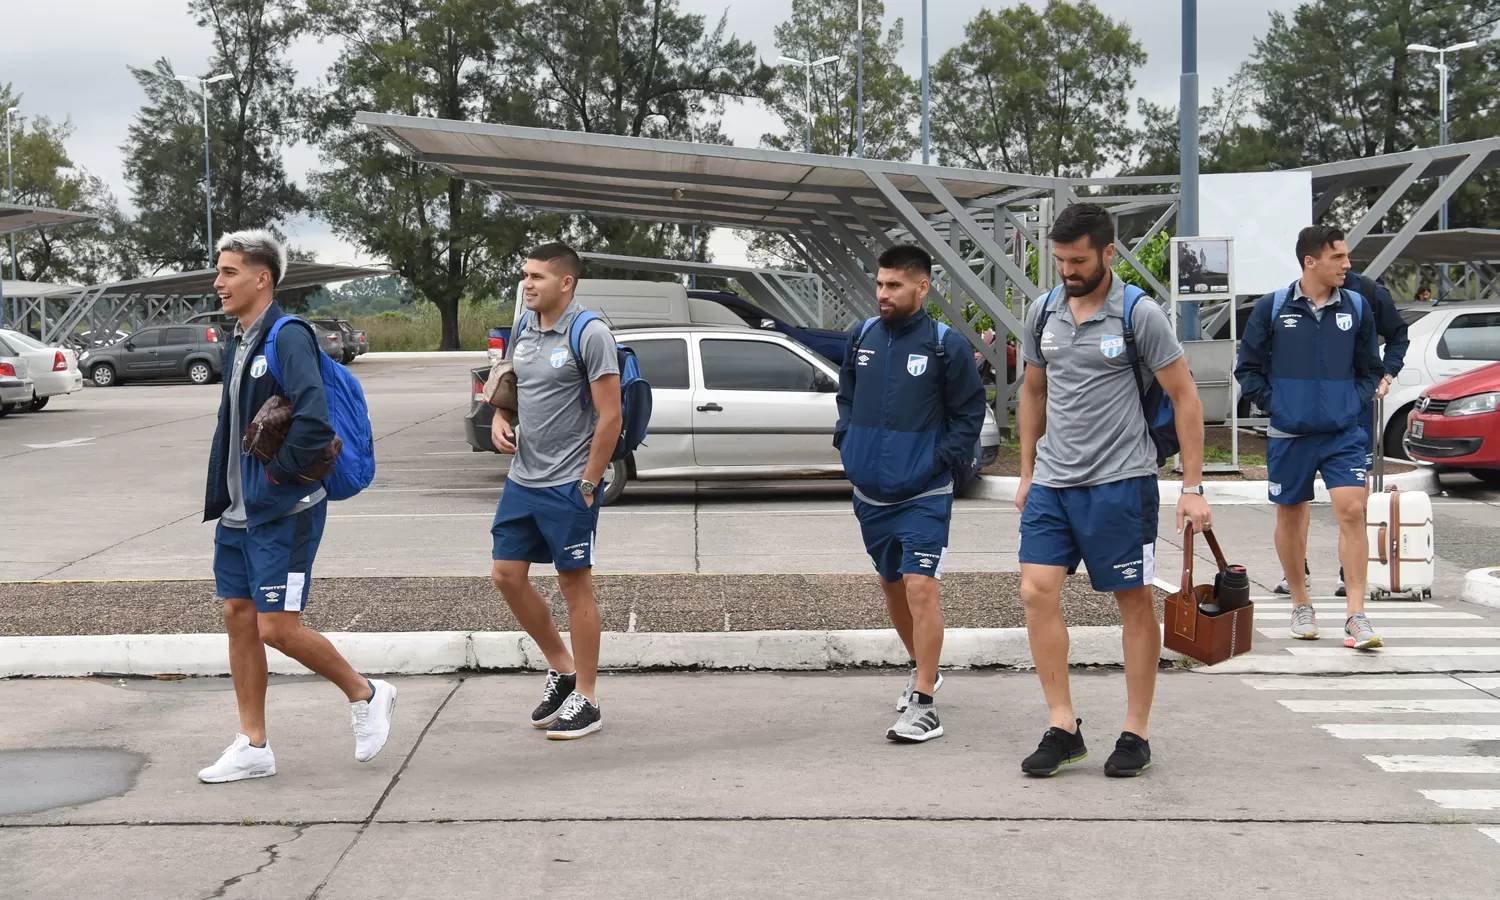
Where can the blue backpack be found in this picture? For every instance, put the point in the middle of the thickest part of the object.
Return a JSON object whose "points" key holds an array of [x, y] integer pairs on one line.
{"points": [[1161, 418], [348, 413], [635, 393], [965, 471], [1355, 300]]}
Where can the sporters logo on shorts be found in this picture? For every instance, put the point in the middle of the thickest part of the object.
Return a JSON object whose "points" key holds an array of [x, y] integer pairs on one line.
{"points": [[577, 551]]}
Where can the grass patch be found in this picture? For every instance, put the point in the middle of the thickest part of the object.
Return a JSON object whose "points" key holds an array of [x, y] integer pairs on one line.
{"points": [[422, 327], [1212, 453]]}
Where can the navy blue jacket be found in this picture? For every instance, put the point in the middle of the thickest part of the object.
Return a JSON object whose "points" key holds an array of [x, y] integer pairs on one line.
{"points": [[1313, 377], [906, 418], [271, 490], [1388, 322]]}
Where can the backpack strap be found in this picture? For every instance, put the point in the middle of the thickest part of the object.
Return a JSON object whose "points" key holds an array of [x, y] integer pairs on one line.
{"points": [[1133, 296], [273, 362], [1356, 302], [575, 346], [1277, 302], [1041, 320]]}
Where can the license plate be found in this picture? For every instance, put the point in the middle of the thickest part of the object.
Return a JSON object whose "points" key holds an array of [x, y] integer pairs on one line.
{"points": [[1416, 429]]}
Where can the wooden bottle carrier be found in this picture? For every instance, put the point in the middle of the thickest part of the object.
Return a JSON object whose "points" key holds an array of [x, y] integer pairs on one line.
{"points": [[1208, 639]]}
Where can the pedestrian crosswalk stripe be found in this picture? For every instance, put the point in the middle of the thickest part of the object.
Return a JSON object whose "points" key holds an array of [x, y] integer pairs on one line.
{"points": [[1464, 799], [1379, 615], [1414, 732], [1446, 765], [1357, 683], [1483, 682], [1492, 832], [1480, 704], [1339, 601], [1415, 632], [1397, 651]]}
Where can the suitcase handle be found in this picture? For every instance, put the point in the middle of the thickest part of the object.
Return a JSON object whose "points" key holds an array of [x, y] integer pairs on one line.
{"points": [[1380, 544]]}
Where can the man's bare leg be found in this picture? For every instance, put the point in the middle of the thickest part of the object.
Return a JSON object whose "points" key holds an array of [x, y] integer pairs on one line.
{"points": [[926, 610], [896, 605], [1291, 548], [1354, 543], [531, 610], [1141, 636], [247, 667], [285, 632], [1041, 591], [577, 586]]}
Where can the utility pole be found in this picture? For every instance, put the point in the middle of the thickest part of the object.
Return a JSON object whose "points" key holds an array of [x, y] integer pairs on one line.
{"points": [[208, 196], [809, 66], [10, 189], [1442, 69], [926, 123], [859, 78], [1187, 204]]}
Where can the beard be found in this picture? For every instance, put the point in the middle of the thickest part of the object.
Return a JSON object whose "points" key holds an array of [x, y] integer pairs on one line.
{"points": [[1088, 285]]}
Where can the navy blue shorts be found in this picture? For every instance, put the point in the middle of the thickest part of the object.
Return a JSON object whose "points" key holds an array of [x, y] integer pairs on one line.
{"points": [[271, 563], [909, 538], [1293, 464], [549, 524], [1110, 527]]}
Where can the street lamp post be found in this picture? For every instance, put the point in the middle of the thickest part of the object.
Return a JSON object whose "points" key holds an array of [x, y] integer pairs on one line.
{"points": [[809, 66], [926, 125], [10, 190], [208, 197], [1442, 68], [859, 78]]}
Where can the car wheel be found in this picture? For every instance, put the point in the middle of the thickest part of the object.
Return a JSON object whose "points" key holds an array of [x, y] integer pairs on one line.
{"points": [[1395, 432], [39, 403], [200, 373], [1490, 477], [613, 482], [5, 409], [103, 374]]}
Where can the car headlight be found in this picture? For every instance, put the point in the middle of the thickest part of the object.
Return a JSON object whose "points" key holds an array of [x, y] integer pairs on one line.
{"points": [[83, 356], [1474, 404]]}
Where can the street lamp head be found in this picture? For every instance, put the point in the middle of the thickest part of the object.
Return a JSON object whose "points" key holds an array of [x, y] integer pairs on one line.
{"points": [[217, 78], [825, 60], [1422, 48], [1466, 45], [790, 61], [185, 78]]}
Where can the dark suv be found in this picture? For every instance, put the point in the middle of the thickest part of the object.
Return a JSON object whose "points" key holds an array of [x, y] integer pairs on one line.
{"points": [[170, 351]]}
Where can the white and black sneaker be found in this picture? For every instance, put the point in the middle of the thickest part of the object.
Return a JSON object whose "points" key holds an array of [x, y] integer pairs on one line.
{"points": [[556, 691], [918, 723], [911, 685], [578, 717], [1285, 589]]}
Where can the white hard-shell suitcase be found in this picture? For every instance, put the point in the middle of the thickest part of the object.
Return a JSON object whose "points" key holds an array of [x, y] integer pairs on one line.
{"points": [[1399, 525]]}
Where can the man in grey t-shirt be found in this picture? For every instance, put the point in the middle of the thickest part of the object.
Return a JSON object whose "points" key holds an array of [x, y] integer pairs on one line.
{"points": [[1088, 484], [568, 395]]}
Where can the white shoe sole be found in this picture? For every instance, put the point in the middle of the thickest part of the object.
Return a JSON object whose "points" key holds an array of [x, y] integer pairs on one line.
{"points": [[574, 735], [543, 723], [893, 735], [264, 772], [390, 715], [906, 698]]}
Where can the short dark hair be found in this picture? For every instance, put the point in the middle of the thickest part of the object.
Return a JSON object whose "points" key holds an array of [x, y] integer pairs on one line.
{"points": [[1424, 289], [1312, 240], [560, 254], [1084, 220], [909, 257]]}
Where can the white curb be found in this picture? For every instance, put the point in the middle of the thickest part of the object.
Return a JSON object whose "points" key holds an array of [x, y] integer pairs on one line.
{"points": [[430, 652], [1482, 586], [1220, 493]]}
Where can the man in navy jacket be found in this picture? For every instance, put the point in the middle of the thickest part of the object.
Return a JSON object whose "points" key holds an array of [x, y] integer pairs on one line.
{"points": [[270, 516], [1310, 359], [910, 409]]}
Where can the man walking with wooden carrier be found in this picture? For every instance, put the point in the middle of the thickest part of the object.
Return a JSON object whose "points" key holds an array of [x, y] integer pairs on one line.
{"points": [[1309, 357]]}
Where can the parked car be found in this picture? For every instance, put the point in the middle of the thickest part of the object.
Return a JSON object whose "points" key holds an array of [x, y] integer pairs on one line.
{"points": [[337, 339], [16, 388], [169, 351], [826, 342], [1455, 425], [330, 339], [1446, 341], [85, 340], [728, 402], [54, 371], [362, 342]]}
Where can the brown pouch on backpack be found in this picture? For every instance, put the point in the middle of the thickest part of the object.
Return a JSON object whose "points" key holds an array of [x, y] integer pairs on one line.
{"points": [[500, 389], [266, 432]]}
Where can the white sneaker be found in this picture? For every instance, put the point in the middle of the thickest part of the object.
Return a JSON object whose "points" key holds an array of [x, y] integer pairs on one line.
{"points": [[372, 720], [239, 762], [911, 685]]}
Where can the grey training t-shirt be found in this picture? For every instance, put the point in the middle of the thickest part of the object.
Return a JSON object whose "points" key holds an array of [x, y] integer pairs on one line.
{"points": [[1096, 429], [556, 428]]}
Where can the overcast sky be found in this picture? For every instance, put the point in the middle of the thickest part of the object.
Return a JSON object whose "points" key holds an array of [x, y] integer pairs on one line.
{"points": [[68, 59]]}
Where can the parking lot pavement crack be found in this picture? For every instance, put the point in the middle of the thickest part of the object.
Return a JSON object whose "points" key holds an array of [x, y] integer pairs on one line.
{"points": [[395, 779], [101, 437], [273, 853], [80, 559], [419, 422]]}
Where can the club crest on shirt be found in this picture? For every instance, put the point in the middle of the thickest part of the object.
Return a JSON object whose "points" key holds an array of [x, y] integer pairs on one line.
{"points": [[916, 364], [1111, 345], [258, 367], [559, 357], [1345, 321]]}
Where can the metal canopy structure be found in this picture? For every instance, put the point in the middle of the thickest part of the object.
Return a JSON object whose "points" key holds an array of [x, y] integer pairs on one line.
{"points": [[14, 218], [1455, 246], [793, 296], [143, 302]]}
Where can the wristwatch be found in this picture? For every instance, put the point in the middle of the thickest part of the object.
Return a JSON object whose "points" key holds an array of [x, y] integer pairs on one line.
{"points": [[586, 487], [1195, 489]]}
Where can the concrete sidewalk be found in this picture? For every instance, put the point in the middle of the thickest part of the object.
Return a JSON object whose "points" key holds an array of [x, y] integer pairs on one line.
{"points": [[711, 785]]}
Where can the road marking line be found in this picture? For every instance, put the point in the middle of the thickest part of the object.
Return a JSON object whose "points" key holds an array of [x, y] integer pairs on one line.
{"points": [[1483, 682], [1447, 765], [1381, 615], [1414, 732], [1396, 651], [1464, 799], [1492, 832], [74, 442], [1416, 705], [1369, 608], [1454, 633], [1357, 683]]}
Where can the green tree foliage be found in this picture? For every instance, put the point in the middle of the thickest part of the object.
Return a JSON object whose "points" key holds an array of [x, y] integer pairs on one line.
{"points": [[822, 28], [1037, 93]]}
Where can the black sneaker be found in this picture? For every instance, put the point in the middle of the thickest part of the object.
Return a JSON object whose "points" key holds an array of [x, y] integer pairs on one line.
{"points": [[557, 689], [577, 718], [1132, 756], [1342, 590], [1058, 748]]}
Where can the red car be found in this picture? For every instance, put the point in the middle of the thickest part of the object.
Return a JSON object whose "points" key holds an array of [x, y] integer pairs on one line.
{"points": [[1456, 424]]}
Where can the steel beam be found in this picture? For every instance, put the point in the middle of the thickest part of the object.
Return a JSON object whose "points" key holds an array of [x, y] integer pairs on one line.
{"points": [[1375, 213], [867, 222], [860, 283], [983, 241], [1330, 196], [1423, 215], [858, 247]]}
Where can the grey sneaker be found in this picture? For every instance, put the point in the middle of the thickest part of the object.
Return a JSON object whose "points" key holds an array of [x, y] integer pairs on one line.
{"points": [[1304, 623], [918, 723], [911, 685], [1359, 635]]}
